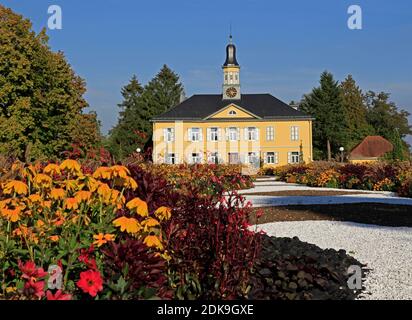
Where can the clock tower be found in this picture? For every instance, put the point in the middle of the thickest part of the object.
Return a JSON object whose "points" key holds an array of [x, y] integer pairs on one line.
{"points": [[231, 79]]}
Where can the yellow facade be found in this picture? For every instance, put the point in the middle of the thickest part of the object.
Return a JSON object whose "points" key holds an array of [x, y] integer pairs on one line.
{"points": [[289, 141]]}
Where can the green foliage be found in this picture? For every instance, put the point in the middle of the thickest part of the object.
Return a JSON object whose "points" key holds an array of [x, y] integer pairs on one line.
{"points": [[344, 116], [41, 98], [325, 104], [139, 106], [355, 110]]}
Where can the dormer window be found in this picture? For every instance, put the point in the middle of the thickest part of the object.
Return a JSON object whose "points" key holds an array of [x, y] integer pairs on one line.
{"points": [[232, 113]]}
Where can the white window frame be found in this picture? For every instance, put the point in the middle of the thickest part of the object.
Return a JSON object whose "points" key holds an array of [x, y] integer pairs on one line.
{"points": [[252, 133], [294, 133], [213, 135], [171, 158], [195, 157], [214, 158], [294, 157], [233, 134], [270, 133], [252, 157], [195, 136], [272, 157], [169, 134]]}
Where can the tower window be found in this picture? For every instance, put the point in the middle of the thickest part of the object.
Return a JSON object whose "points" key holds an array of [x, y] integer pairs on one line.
{"points": [[226, 77]]}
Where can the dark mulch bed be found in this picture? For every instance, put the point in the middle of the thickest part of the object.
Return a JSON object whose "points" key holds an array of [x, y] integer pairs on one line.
{"points": [[306, 193], [290, 269], [368, 213]]}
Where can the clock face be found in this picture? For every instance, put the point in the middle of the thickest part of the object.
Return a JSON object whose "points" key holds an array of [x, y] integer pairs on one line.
{"points": [[231, 92]]}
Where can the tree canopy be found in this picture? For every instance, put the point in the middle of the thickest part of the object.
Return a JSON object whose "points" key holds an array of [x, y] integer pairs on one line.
{"points": [[344, 116], [139, 106], [41, 97]]}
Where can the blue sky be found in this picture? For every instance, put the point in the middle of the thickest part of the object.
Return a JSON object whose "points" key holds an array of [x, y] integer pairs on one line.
{"points": [[283, 46]]}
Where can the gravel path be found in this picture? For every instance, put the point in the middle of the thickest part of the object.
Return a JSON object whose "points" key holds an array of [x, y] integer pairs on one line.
{"points": [[271, 185], [385, 250]]}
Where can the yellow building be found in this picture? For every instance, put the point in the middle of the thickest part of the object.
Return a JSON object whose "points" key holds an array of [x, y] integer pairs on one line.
{"points": [[232, 127]]}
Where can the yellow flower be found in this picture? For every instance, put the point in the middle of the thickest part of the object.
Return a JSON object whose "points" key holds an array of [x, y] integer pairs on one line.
{"points": [[149, 222], [70, 165], [16, 186], [52, 168], [139, 205], [101, 238], [35, 198], [39, 224], [54, 238], [71, 185], [104, 191], [11, 289], [117, 199], [57, 193], [131, 183], [163, 213], [102, 173], [131, 225], [83, 196], [72, 203], [153, 241], [42, 181], [119, 171]]}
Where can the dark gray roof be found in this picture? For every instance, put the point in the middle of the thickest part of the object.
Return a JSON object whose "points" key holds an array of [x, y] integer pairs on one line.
{"points": [[200, 106]]}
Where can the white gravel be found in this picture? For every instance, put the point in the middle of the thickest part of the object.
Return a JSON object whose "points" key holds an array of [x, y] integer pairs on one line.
{"points": [[385, 250], [270, 185]]}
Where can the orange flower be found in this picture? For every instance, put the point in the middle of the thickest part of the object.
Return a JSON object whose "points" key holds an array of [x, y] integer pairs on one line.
{"points": [[102, 173], [51, 168], [149, 222], [71, 166], [117, 199], [71, 185], [46, 204], [54, 238], [72, 203], [131, 225], [83, 196], [11, 214], [153, 241], [16, 186], [130, 183], [42, 181], [104, 191], [35, 198], [57, 193], [101, 238], [163, 213], [119, 171], [139, 205]]}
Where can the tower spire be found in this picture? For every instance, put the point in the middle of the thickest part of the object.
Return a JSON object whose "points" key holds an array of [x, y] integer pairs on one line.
{"points": [[231, 76]]}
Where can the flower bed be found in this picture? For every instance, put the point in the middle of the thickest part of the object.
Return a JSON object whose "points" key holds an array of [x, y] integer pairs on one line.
{"points": [[71, 232], [396, 177]]}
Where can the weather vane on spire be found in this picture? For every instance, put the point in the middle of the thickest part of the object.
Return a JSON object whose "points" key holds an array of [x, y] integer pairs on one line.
{"points": [[230, 33]]}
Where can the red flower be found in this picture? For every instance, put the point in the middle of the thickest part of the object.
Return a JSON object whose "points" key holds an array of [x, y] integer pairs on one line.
{"points": [[59, 295], [30, 271], [85, 257], [33, 287], [90, 282]]}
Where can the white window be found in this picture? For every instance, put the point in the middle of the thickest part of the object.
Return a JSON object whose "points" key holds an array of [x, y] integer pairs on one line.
{"points": [[293, 157], [171, 158], [195, 134], [294, 133], [213, 134], [252, 157], [214, 158], [169, 134], [232, 113], [270, 133], [195, 158], [233, 134], [272, 157], [251, 133]]}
